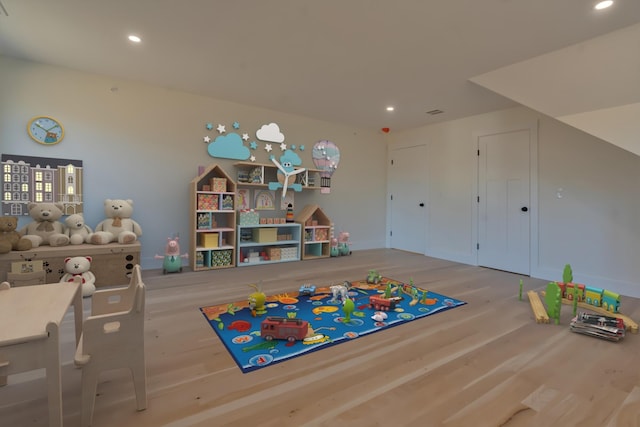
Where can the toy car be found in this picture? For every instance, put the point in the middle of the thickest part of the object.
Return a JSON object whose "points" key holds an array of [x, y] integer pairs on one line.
{"points": [[374, 277], [307, 289]]}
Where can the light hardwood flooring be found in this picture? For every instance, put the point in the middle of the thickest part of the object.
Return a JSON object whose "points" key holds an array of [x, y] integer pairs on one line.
{"points": [[483, 364]]}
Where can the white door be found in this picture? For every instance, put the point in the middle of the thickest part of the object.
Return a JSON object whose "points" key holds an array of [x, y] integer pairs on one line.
{"points": [[408, 198], [504, 201]]}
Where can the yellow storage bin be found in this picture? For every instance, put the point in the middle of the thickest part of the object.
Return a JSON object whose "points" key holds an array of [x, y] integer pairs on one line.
{"points": [[209, 240], [265, 235]]}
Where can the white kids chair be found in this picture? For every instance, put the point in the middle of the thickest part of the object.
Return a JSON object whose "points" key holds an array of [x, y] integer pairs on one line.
{"points": [[113, 338]]}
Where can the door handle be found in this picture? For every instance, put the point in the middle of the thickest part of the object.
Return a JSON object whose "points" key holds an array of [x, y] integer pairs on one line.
{"points": [[421, 205], [524, 209]]}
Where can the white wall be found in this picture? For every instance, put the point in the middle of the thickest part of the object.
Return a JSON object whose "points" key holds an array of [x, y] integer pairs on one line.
{"points": [[593, 227], [146, 143]]}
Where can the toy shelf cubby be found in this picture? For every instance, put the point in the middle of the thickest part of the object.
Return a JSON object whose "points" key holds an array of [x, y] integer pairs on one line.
{"points": [[268, 243], [260, 175], [316, 236], [212, 220]]}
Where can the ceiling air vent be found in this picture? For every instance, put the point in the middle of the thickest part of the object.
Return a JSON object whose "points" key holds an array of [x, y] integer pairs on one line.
{"points": [[434, 112]]}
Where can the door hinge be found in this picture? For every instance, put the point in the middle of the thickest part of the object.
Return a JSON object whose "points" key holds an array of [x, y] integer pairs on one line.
{"points": [[392, 197], [477, 245], [478, 152], [478, 199], [390, 233], [391, 162]]}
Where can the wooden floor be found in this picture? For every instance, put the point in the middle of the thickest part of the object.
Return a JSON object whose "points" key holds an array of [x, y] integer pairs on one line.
{"points": [[487, 363]]}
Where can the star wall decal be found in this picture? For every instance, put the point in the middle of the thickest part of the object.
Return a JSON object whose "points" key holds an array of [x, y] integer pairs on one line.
{"points": [[253, 158], [221, 128], [283, 146], [209, 126], [207, 139], [245, 136], [268, 147], [236, 125], [254, 145]]}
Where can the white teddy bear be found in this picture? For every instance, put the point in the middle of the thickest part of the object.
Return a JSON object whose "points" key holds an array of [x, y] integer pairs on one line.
{"points": [[45, 229], [78, 270], [118, 227], [78, 231]]}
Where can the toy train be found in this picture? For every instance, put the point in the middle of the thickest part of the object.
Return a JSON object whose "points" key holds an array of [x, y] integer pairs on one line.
{"points": [[381, 303], [597, 297]]}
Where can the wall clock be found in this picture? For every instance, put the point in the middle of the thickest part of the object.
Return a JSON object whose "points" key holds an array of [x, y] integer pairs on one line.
{"points": [[45, 130]]}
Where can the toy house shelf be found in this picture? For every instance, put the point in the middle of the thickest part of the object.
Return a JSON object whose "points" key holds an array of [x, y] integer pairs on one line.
{"points": [[260, 175], [268, 243], [212, 220], [316, 236]]}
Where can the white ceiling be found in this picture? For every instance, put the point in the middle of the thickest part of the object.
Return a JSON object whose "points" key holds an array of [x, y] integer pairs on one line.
{"points": [[336, 60]]}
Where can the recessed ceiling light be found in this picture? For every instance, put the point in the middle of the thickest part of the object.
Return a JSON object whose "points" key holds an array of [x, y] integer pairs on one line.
{"points": [[603, 4], [390, 108], [135, 38]]}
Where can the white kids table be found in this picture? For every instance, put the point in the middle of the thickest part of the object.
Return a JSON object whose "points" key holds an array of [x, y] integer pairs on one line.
{"points": [[30, 318]]}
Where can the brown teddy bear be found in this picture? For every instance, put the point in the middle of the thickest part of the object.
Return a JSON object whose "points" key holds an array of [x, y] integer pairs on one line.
{"points": [[10, 239]]}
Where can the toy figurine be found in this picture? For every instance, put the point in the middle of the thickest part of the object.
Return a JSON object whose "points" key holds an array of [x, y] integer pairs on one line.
{"points": [[172, 260], [334, 247], [343, 243], [348, 307], [340, 292], [256, 302]]}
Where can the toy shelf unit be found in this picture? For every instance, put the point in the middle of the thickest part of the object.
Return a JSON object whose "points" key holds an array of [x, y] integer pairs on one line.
{"points": [[260, 175], [316, 236], [212, 221], [268, 243]]}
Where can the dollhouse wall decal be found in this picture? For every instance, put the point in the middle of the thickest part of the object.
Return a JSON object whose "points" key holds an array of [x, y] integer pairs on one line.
{"points": [[38, 179]]}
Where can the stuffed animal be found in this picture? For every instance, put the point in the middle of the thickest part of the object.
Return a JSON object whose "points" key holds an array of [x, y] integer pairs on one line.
{"points": [[78, 270], [45, 229], [10, 239], [118, 227], [78, 231]]}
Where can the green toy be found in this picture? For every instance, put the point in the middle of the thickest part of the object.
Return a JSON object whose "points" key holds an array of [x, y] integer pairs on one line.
{"points": [[387, 291], [567, 274], [348, 307], [567, 277], [374, 277], [553, 298], [256, 301], [520, 293]]}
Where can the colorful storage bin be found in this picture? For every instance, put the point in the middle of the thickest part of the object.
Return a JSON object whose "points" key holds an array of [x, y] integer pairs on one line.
{"points": [[249, 217], [207, 202], [219, 185]]}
